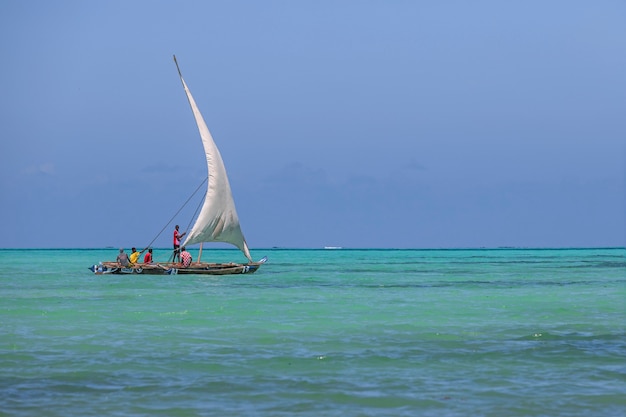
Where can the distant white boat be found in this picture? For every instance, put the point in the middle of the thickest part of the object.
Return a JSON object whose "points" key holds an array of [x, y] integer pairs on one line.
{"points": [[333, 247]]}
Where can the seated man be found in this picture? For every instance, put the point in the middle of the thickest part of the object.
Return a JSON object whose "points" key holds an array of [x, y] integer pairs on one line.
{"points": [[185, 257], [122, 258], [134, 256], [148, 258]]}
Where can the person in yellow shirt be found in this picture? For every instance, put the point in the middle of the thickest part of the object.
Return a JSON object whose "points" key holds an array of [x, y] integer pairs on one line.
{"points": [[134, 256]]}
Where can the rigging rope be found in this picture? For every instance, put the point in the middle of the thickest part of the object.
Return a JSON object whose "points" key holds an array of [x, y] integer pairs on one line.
{"points": [[179, 210], [195, 215]]}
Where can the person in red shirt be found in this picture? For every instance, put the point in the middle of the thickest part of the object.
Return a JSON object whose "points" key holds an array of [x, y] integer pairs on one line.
{"points": [[148, 258], [177, 237]]}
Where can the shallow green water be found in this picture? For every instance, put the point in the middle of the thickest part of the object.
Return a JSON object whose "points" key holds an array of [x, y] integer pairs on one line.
{"points": [[318, 332]]}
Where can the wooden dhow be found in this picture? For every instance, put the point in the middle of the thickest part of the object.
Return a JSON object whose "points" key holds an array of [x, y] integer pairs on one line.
{"points": [[217, 221]]}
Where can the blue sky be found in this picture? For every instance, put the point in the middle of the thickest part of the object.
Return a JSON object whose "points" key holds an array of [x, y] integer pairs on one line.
{"points": [[390, 124]]}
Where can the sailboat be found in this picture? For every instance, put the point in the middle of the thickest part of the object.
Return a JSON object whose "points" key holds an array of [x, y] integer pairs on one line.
{"points": [[217, 221]]}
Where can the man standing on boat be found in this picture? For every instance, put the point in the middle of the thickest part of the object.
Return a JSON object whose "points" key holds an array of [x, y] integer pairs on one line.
{"points": [[177, 237]]}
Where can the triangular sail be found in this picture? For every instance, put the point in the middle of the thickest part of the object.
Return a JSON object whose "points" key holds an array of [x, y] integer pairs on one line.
{"points": [[218, 220]]}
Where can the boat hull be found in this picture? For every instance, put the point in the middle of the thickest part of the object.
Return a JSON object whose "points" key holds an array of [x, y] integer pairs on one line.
{"points": [[203, 268]]}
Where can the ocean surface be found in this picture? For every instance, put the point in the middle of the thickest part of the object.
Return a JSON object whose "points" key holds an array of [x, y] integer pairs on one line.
{"points": [[508, 332]]}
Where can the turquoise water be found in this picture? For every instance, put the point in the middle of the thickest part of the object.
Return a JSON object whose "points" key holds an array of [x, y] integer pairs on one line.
{"points": [[318, 333]]}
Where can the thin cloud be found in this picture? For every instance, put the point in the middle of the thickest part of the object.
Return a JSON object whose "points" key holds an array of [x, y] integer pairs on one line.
{"points": [[46, 168], [414, 165], [298, 173]]}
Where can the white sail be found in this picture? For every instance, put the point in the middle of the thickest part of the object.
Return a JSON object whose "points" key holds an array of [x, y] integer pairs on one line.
{"points": [[218, 220]]}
